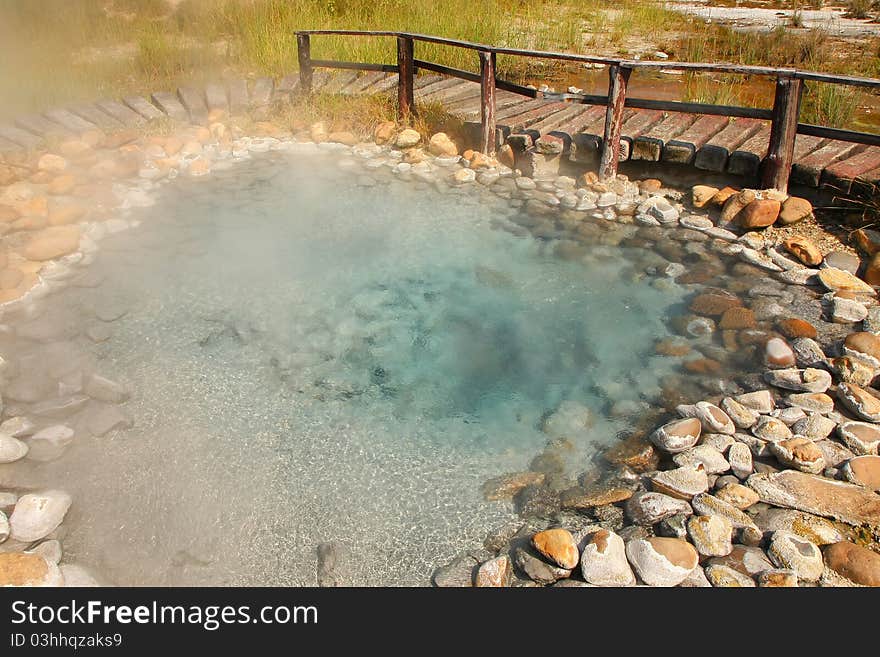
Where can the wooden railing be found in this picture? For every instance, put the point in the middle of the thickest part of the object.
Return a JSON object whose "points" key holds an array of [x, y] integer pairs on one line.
{"points": [[783, 116]]}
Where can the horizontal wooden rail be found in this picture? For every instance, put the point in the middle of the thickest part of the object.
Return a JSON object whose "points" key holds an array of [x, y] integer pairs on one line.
{"points": [[783, 116]]}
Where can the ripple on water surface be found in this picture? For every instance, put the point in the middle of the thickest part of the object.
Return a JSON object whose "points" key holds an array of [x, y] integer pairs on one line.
{"points": [[314, 360]]}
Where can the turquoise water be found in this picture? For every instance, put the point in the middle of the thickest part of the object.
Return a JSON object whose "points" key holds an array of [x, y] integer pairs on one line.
{"points": [[317, 356]]}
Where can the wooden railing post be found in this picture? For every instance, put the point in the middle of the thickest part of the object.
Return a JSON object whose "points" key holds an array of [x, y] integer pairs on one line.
{"points": [[487, 102], [618, 78], [783, 132], [304, 55], [405, 73]]}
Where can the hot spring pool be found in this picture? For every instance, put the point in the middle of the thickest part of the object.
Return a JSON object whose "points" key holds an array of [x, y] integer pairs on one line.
{"points": [[315, 354]]}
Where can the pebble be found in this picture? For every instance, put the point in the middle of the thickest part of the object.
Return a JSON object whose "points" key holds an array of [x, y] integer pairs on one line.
{"points": [[799, 453], [812, 528], [712, 460], [806, 380], [808, 353], [858, 400], [760, 400], [604, 561], [778, 578], [771, 429], [11, 449], [864, 471], [739, 456], [860, 437], [711, 535], [4, 527], [847, 311], [741, 415], [677, 436], [495, 573], [725, 577], [707, 505], [49, 443], [854, 562], [537, 570], [737, 495], [649, 508], [662, 561], [814, 426], [37, 515], [23, 569], [558, 546], [790, 551], [683, 482]]}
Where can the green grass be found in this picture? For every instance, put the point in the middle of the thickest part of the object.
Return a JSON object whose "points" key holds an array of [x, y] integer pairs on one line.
{"points": [[59, 51]]}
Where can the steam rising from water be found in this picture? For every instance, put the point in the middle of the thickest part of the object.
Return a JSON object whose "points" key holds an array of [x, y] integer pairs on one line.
{"points": [[315, 360]]}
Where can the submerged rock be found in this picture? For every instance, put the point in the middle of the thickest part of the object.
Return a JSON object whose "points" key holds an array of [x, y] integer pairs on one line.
{"points": [[37, 515]]}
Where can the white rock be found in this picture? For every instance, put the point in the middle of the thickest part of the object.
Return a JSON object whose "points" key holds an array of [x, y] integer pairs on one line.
{"points": [[740, 458], [11, 449], [654, 568], [49, 443], [37, 515], [787, 550], [603, 561]]}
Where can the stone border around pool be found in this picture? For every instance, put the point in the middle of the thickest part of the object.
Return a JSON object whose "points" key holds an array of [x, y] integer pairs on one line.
{"points": [[741, 490]]}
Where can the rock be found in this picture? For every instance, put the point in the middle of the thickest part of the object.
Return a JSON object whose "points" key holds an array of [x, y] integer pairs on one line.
{"points": [[867, 240], [604, 562], [457, 573], [808, 353], [683, 483], [859, 401], [814, 427], [737, 495], [742, 416], [864, 471], [537, 570], [673, 526], [11, 449], [778, 578], [746, 560], [407, 138], [835, 453], [777, 354], [863, 346], [836, 280], [759, 213], [52, 163], [22, 569], [799, 453], [860, 437], [442, 146], [712, 419], [713, 305], [794, 327], [856, 563], [709, 505], [635, 453], [771, 429], [199, 166], [740, 458], [843, 260], [558, 546], [733, 205], [814, 402], [494, 573], [4, 526], [550, 144], [806, 380], [539, 501], [702, 194], [812, 528], [464, 176], [384, 132], [343, 137], [49, 550], [662, 561], [790, 551], [506, 156], [847, 311], [725, 577], [711, 535], [696, 579], [852, 370], [49, 443], [37, 515], [760, 400], [789, 416], [648, 508], [581, 498], [723, 194], [804, 250], [52, 243], [569, 420], [17, 427], [872, 271], [791, 489], [331, 571], [795, 209], [711, 459], [677, 436]]}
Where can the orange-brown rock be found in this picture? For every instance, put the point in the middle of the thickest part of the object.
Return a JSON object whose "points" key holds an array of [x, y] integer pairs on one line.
{"points": [[22, 569], [872, 271], [713, 305], [52, 243], [867, 240], [720, 197], [759, 213], [61, 185], [737, 318], [672, 347], [794, 327], [635, 452], [702, 366], [858, 564], [795, 209], [66, 214], [558, 546], [804, 250]]}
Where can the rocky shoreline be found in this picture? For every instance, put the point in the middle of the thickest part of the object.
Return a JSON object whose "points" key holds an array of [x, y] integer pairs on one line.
{"points": [[742, 489]]}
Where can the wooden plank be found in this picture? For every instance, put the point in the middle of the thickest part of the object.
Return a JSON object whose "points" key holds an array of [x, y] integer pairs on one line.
{"points": [[618, 81], [437, 85], [519, 122], [122, 113], [783, 131], [72, 122], [405, 81], [808, 170], [572, 113], [576, 124], [357, 86], [40, 125], [649, 146], [383, 86], [840, 175], [683, 148], [143, 107], [633, 127], [468, 109], [261, 91], [487, 100], [193, 100], [171, 105], [866, 185], [713, 155], [461, 89], [97, 116], [216, 99], [422, 81], [746, 159], [338, 81], [18, 136], [586, 144]]}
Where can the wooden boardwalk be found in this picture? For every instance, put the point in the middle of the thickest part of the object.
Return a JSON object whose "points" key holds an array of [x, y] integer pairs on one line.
{"points": [[718, 144]]}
